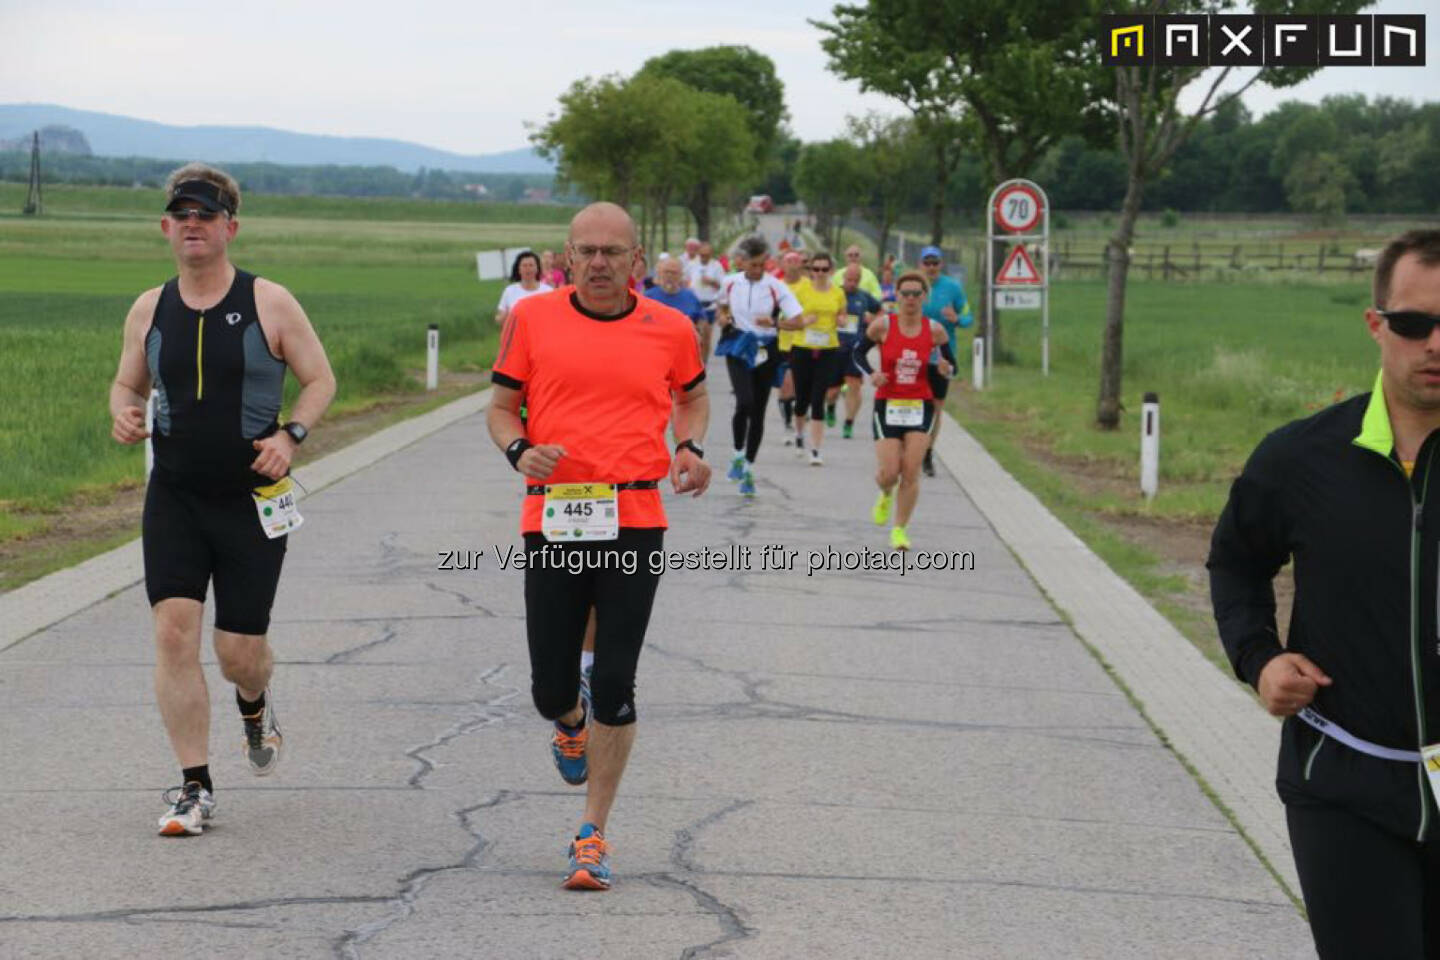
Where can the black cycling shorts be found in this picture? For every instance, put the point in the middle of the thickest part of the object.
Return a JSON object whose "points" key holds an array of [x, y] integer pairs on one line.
{"points": [[847, 366], [884, 431], [190, 538], [558, 596]]}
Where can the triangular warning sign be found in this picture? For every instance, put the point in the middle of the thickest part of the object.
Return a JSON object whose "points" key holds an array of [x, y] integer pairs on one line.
{"points": [[1018, 268]]}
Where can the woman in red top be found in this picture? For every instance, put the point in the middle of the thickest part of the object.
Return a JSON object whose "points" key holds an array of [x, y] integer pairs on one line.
{"points": [[904, 405]]}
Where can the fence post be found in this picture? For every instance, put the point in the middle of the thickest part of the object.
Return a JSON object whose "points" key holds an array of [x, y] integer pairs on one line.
{"points": [[1150, 445], [432, 357]]}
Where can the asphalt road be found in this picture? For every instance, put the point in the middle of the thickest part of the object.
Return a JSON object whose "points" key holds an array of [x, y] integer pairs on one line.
{"points": [[830, 762]]}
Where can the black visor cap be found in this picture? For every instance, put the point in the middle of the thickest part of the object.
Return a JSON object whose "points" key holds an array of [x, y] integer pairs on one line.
{"points": [[203, 192]]}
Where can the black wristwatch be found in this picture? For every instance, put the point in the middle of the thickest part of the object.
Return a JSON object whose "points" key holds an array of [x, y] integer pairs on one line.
{"points": [[297, 431], [516, 450], [690, 445]]}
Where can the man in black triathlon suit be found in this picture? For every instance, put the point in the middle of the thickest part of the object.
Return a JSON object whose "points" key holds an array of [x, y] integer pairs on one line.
{"points": [[214, 344]]}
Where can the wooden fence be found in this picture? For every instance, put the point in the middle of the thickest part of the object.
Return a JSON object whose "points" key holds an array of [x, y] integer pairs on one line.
{"points": [[1186, 261]]}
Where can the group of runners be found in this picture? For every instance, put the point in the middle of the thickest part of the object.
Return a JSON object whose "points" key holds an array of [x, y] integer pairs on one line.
{"points": [[808, 333], [804, 326], [1343, 492], [214, 345]]}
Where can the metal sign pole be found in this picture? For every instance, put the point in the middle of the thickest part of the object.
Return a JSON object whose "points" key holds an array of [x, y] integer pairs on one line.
{"points": [[987, 337], [1045, 290]]}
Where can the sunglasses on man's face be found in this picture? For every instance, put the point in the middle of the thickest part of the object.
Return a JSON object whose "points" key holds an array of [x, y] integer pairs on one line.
{"points": [[819, 269], [1410, 324], [911, 292], [193, 213]]}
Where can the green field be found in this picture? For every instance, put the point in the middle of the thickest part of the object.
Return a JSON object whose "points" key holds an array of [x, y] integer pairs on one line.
{"points": [[1230, 363]]}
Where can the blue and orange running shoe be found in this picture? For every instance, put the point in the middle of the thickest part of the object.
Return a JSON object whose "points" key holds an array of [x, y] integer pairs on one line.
{"points": [[589, 861], [567, 748]]}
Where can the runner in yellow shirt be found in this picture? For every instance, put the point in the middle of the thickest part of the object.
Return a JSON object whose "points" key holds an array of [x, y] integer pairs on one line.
{"points": [[815, 348]]}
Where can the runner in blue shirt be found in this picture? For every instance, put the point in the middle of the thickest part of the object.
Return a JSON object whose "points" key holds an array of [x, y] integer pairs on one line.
{"points": [[860, 309], [948, 305], [670, 290]]}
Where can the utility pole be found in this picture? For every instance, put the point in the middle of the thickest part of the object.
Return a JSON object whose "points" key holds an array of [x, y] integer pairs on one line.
{"points": [[32, 201]]}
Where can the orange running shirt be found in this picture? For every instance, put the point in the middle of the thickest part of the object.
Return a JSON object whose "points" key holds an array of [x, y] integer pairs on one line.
{"points": [[601, 388]]}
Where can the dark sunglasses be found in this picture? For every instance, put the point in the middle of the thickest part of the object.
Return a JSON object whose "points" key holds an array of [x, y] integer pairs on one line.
{"points": [[911, 292], [819, 269], [1410, 324], [193, 213], [930, 262]]}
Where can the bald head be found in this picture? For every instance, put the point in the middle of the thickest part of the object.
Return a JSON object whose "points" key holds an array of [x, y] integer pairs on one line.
{"points": [[793, 264], [605, 216], [851, 278], [670, 274]]}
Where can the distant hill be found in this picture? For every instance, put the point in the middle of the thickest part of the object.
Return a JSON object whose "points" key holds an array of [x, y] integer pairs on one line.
{"points": [[110, 135], [53, 139]]}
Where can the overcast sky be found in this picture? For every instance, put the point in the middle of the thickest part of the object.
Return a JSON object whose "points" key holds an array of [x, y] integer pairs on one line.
{"points": [[463, 76]]}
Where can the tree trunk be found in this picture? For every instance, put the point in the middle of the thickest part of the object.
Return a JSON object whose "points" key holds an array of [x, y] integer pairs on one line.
{"points": [[700, 210], [883, 241], [665, 220], [1107, 411], [937, 206]]}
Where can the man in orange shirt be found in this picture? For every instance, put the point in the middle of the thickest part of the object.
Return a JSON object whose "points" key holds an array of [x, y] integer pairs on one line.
{"points": [[593, 450]]}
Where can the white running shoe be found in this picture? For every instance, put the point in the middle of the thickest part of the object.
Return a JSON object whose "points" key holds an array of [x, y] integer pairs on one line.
{"points": [[262, 739], [192, 806]]}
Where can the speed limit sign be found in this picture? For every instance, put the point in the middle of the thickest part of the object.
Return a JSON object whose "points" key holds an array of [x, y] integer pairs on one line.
{"points": [[1018, 233], [1018, 208]]}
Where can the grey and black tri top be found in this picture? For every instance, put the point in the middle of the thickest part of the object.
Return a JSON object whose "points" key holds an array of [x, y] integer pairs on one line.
{"points": [[219, 388]]}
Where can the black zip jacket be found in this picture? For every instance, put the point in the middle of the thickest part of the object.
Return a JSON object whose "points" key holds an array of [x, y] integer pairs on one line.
{"points": [[1329, 492]]}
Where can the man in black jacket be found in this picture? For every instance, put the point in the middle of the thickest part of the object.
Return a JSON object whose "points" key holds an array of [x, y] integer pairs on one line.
{"points": [[1345, 494]]}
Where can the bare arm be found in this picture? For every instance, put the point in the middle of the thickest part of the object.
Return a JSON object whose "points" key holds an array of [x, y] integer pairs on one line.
{"points": [[874, 333], [503, 420], [301, 349], [503, 416], [131, 387], [688, 473]]}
